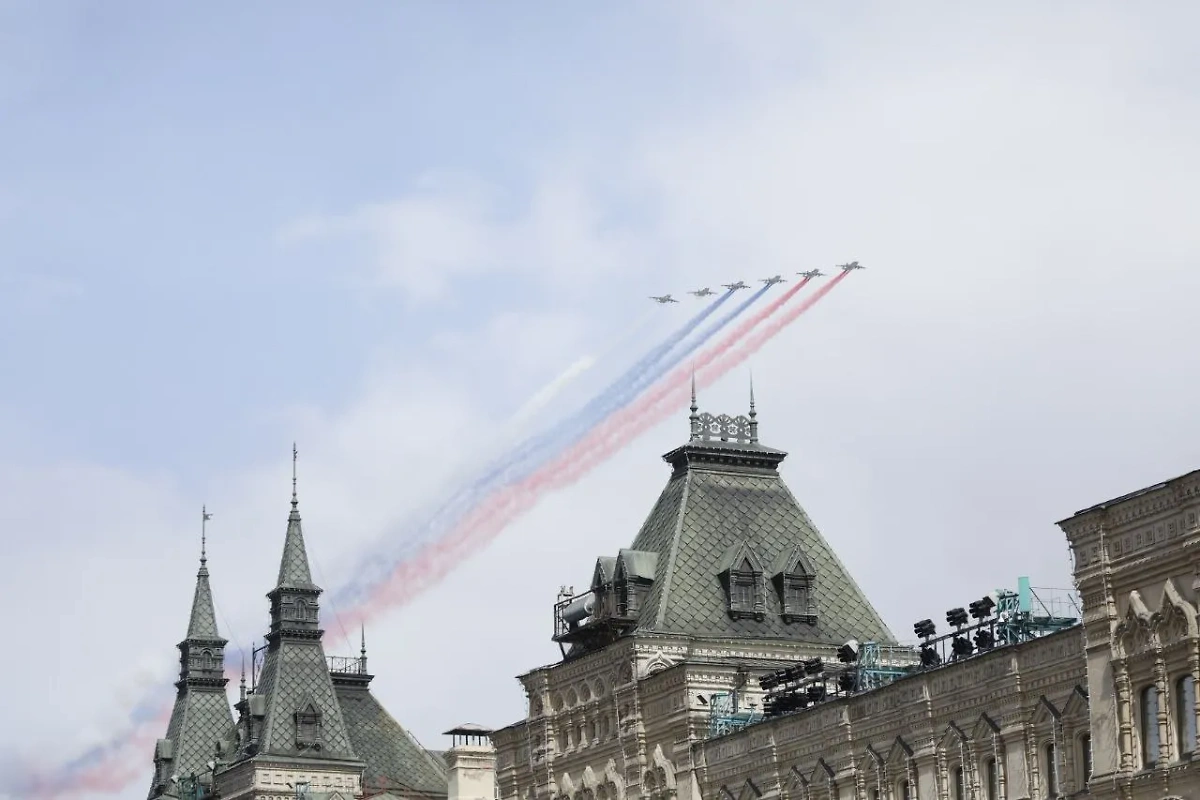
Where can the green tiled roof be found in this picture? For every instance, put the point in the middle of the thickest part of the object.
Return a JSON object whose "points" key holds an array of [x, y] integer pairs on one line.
{"points": [[394, 758], [203, 622], [720, 495], [293, 566]]}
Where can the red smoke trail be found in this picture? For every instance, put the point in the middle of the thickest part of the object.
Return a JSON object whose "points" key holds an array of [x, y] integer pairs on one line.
{"points": [[412, 577], [488, 519]]}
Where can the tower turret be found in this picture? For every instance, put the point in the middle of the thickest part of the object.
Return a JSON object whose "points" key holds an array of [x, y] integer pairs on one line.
{"points": [[201, 715]]}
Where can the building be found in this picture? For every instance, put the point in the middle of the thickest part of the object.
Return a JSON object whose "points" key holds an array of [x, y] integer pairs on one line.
{"points": [[308, 725], [728, 588]]}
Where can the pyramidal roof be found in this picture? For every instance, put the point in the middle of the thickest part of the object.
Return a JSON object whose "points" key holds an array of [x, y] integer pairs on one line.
{"points": [[726, 500], [293, 566], [203, 622]]}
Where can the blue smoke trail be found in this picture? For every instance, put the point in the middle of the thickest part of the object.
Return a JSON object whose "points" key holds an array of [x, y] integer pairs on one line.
{"points": [[560, 435], [520, 464]]}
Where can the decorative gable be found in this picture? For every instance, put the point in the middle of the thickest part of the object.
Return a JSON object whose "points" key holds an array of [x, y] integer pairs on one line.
{"points": [[793, 578], [742, 576], [308, 726]]}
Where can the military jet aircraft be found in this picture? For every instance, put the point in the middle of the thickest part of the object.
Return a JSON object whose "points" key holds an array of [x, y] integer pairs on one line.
{"points": [[773, 280], [666, 298], [705, 292], [850, 266], [812, 273], [733, 287]]}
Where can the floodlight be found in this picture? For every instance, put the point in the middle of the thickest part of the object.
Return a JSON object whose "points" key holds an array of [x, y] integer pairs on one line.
{"points": [[930, 657], [962, 647], [704, 700], [813, 667], [925, 628], [956, 617], [847, 682], [982, 608], [984, 639], [848, 653], [816, 693]]}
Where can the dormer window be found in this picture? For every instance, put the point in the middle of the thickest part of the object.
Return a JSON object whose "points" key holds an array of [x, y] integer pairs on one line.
{"points": [[308, 727], [793, 579], [743, 579]]}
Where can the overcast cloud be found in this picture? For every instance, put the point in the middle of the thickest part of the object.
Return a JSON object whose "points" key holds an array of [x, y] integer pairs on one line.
{"points": [[378, 232]]}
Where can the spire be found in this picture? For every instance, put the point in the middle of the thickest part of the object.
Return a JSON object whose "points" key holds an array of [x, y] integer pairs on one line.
{"points": [[362, 653], [204, 518], [694, 417], [243, 687], [293, 567], [753, 412], [203, 622]]}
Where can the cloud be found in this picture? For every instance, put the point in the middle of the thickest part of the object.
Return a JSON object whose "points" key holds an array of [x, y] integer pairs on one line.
{"points": [[1020, 187]]}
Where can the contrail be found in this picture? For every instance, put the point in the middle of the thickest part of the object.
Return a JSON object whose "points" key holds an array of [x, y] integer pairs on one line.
{"points": [[521, 461], [483, 523], [97, 770]]}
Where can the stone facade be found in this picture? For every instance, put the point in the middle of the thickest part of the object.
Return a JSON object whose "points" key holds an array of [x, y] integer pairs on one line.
{"points": [[1106, 708]]}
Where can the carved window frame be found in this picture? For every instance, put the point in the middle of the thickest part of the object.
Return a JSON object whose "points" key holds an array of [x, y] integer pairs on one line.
{"points": [[309, 729], [744, 591]]}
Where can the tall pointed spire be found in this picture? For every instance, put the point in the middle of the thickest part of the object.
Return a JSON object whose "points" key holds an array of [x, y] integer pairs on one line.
{"points": [[203, 622], [753, 412], [293, 567]]}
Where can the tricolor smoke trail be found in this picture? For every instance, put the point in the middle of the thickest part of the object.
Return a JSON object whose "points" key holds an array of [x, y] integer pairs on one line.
{"points": [[485, 521], [480, 523], [534, 452]]}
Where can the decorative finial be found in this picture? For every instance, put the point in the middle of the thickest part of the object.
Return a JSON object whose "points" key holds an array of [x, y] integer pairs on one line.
{"points": [[295, 455], [753, 412], [694, 417], [243, 689], [363, 651], [204, 518]]}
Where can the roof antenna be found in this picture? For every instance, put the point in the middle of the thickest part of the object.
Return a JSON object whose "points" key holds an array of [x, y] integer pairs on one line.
{"points": [[204, 518], [753, 412]]}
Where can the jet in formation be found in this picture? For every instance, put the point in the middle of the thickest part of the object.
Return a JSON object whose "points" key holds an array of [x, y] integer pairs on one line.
{"points": [[705, 292], [850, 266], [812, 273], [733, 287], [774, 279], [666, 298]]}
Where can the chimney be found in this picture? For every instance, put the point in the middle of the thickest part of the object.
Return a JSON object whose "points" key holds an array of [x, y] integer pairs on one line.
{"points": [[472, 763]]}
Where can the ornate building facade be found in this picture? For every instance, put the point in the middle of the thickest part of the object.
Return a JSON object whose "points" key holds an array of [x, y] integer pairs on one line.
{"points": [[728, 581]]}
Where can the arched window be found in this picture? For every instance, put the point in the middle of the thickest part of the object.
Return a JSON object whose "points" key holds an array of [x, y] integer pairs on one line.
{"points": [[1185, 714], [206, 660], [960, 791], [1149, 726], [993, 780], [1051, 771]]}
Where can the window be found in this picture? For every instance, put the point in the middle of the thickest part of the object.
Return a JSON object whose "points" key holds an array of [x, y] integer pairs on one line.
{"points": [[1085, 753], [993, 780], [1051, 771], [308, 727], [959, 785], [743, 591], [1185, 714], [1149, 727]]}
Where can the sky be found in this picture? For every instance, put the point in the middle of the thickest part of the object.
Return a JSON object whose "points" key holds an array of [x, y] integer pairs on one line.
{"points": [[377, 231]]}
